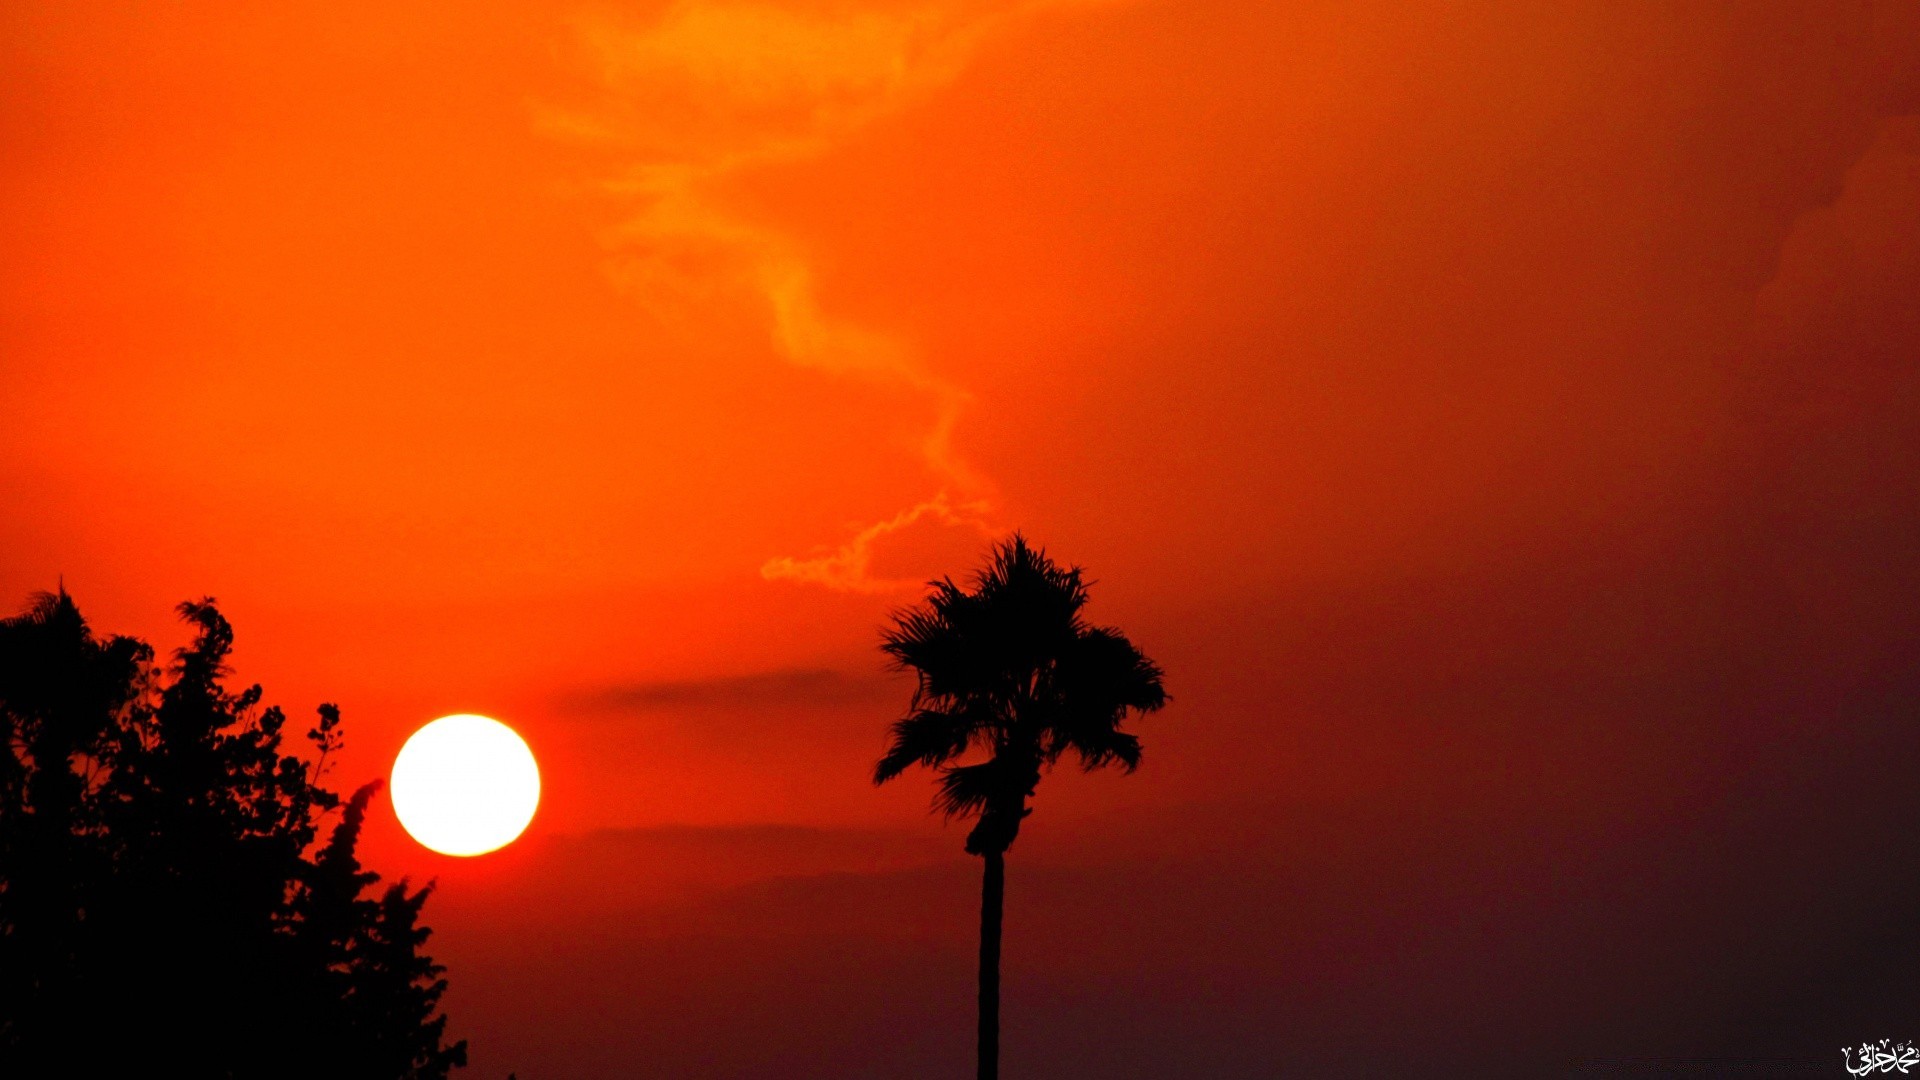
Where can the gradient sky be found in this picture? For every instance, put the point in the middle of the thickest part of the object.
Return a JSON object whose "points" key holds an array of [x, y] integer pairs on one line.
{"points": [[1501, 420]]}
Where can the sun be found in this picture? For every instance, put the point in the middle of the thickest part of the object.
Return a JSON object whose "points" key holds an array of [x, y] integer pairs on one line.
{"points": [[465, 785]]}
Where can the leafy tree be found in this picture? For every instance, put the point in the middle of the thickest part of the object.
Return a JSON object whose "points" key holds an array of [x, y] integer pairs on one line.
{"points": [[166, 904], [1010, 670]]}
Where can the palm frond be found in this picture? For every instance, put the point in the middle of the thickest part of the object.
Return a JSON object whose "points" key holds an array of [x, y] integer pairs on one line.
{"points": [[926, 736], [939, 642], [1099, 751], [966, 790], [1093, 686], [1103, 667]]}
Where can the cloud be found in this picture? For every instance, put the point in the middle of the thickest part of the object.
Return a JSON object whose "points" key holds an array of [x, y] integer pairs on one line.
{"points": [[713, 89], [850, 567], [790, 686]]}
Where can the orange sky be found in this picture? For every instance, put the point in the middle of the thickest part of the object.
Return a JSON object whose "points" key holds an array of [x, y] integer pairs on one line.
{"points": [[1497, 418]]}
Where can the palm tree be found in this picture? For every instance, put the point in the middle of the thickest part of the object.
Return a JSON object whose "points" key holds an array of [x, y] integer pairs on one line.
{"points": [[1009, 669]]}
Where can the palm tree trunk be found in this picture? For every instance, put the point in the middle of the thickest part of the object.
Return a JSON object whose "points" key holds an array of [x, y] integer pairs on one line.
{"points": [[992, 894]]}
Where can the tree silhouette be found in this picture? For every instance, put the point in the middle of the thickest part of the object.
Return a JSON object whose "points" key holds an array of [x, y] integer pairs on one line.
{"points": [[163, 907], [1009, 669]]}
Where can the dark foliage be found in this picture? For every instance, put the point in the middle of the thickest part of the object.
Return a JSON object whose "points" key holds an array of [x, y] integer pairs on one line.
{"points": [[167, 904]]}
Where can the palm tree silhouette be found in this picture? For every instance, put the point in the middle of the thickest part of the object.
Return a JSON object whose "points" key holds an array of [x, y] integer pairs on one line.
{"points": [[1009, 668]]}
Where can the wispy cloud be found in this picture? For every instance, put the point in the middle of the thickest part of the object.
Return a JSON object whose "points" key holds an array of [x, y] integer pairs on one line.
{"points": [[712, 89], [788, 686], [849, 567]]}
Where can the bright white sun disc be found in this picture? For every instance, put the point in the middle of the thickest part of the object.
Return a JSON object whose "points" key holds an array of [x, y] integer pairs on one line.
{"points": [[465, 785]]}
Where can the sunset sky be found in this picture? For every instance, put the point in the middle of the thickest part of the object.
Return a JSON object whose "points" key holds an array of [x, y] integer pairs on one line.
{"points": [[1501, 421]]}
